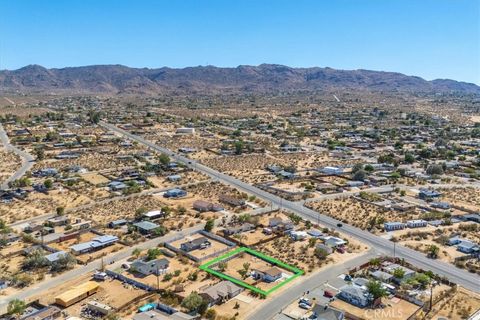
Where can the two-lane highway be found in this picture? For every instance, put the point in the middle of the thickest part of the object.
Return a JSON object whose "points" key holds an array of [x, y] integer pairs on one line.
{"points": [[382, 245]]}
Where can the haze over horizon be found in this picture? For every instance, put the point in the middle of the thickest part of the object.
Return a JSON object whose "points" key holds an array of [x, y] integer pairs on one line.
{"points": [[429, 39]]}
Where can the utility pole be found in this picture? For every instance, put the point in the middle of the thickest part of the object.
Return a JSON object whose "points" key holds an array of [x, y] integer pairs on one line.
{"points": [[431, 297], [158, 279]]}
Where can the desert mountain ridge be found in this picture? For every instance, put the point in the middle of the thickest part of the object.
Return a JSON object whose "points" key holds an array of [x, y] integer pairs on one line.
{"points": [[265, 78]]}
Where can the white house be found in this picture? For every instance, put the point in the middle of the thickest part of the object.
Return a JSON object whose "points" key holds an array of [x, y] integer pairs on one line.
{"points": [[416, 223]]}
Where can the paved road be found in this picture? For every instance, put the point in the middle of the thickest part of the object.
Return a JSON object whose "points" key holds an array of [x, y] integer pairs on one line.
{"points": [[462, 277], [27, 159], [37, 289], [273, 306]]}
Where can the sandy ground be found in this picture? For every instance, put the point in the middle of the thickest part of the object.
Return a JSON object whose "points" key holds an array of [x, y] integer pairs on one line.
{"points": [[9, 163], [39, 204], [463, 197], [460, 304], [396, 309], [359, 214]]}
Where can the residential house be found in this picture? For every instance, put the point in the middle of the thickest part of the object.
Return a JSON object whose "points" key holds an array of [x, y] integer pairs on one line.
{"points": [[354, 295], [327, 313], [440, 205], [331, 170], [381, 276], [45, 313], [174, 178], [96, 243], [117, 186], [467, 246], [354, 184], [59, 221], [278, 224], [47, 172], [334, 242], [220, 292], [185, 131], [156, 267], [32, 227], [286, 174], [54, 257], [145, 227], [315, 233], [238, 229], [392, 226], [199, 243], [175, 193], [268, 275], [153, 215], [204, 206], [416, 223], [156, 314], [234, 202], [81, 225], [117, 223], [427, 194], [298, 235], [403, 206], [275, 221], [360, 282], [408, 273]]}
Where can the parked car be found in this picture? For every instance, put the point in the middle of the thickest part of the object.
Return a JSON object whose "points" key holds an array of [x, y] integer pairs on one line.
{"points": [[304, 306], [305, 300]]}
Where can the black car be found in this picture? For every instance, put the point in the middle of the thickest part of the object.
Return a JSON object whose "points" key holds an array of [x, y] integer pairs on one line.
{"points": [[339, 225]]}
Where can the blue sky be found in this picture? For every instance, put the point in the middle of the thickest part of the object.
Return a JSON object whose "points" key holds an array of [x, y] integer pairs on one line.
{"points": [[428, 38]]}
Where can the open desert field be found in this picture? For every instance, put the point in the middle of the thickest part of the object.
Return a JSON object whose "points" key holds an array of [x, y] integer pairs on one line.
{"points": [[9, 163], [458, 303], [468, 198], [360, 214]]}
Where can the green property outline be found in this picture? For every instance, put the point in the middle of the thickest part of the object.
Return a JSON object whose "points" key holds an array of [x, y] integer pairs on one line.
{"points": [[206, 267]]}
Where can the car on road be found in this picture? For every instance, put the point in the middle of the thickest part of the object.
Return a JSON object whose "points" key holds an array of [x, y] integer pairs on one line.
{"points": [[328, 294], [339, 225]]}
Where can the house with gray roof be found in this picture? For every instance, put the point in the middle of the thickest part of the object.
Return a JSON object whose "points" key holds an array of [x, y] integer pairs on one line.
{"points": [[354, 295], [145, 227], [220, 292], [156, 267]]}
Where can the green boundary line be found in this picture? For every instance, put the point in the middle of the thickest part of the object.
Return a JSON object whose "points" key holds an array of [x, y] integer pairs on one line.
{"points": [[206, 267]]}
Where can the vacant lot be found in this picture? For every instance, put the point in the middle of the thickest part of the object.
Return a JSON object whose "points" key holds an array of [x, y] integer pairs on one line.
{"points": [[360, 214], [397, 309], [9, 163], [463, 197], [456, 304]]}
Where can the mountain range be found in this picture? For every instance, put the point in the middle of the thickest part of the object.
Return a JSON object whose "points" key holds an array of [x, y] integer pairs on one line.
{"points": [[265, 78]]}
